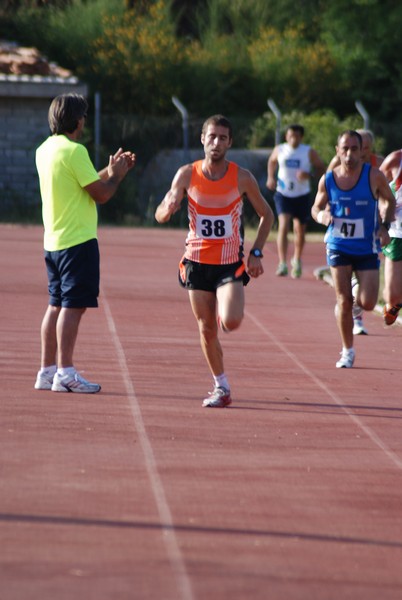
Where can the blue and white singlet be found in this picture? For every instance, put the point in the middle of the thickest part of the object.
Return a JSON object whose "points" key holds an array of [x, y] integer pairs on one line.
{"points": [[355, 216]]}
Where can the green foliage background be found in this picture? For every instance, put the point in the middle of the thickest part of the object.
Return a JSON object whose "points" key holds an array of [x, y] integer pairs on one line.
{"points": [[221, 55], [314, 58]]}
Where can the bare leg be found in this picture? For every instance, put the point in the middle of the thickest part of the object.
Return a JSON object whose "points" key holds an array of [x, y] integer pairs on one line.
{"points": [[282, 238], [49, 337], [203, 305], [299, 230], [230, 299], [341, 277], [369, 283], [67, 331], [392, 282], [366, 298]]}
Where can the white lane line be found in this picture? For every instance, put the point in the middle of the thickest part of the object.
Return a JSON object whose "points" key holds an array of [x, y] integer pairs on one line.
{"points": [[167, 524], [367, 430]]}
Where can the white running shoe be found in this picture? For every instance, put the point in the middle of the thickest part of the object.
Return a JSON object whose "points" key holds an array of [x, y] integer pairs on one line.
{"points": [[358, 327], [43, 381], [219, 398], [347, 359], [74, 383]]}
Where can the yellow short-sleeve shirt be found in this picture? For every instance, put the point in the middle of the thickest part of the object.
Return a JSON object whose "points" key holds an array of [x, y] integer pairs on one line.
{"points": [[69, 212]]}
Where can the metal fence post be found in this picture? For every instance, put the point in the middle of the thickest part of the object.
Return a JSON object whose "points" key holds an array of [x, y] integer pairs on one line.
{"points": [[184, 115], [363, 113], [97, 129], [278, 116]]}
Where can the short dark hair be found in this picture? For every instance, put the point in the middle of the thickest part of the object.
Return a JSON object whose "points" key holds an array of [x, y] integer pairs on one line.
{"points": [[352, 133], [296, 128], [65, 111], [218, 120]]}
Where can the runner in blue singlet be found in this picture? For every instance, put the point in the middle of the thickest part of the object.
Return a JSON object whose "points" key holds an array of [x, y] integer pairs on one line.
{"points": [[347, 202]]}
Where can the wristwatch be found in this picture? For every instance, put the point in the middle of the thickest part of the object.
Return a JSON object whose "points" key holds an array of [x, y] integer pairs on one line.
{"points": [[257, 253]]}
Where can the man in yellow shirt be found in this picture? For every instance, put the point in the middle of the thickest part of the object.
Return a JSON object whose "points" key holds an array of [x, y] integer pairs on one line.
{"points": [[70, 189]]}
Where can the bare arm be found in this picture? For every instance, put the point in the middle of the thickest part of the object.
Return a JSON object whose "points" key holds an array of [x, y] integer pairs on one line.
{"points": [[249, 186], [111, 176], [129, 156], [320, 210], [272, 168], [390, 165], [173, 198], [384, 195]]}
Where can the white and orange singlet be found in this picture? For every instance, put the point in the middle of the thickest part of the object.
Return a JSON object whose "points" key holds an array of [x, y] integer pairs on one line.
{"points": [[215, 209]]}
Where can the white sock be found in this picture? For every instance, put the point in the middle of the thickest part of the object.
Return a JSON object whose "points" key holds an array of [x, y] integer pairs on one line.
{"points": [[66, 370], [221, 381]]}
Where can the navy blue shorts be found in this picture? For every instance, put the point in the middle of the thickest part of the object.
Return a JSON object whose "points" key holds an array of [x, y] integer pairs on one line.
{"points": [[198, 276], [299, 208], [366, 262], [73, 276]]}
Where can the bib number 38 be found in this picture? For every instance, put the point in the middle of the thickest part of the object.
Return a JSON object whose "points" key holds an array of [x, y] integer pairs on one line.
{"points": [[214, 227]]}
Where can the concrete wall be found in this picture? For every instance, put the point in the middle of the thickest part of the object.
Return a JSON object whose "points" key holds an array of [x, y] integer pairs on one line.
{"points": [[24, 104]]}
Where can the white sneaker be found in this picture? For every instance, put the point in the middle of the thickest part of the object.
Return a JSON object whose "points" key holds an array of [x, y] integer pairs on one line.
{"points": [[43, 381], [358, 327], [219, 398], [74, 383], [347, 359]]}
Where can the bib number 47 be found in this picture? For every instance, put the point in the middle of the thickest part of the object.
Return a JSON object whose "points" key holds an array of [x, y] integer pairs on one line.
{"points": [[348, 229]]}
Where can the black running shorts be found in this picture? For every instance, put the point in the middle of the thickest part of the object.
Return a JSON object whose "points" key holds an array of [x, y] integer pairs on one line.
{"points": [[198, 276]]}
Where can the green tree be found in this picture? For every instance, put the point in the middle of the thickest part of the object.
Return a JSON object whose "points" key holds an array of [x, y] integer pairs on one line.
{"points": [[362, 36], [221, 54], [138, 61]]}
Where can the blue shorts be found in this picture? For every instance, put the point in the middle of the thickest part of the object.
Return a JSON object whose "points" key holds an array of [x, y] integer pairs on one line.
{"points": [[198, 276], [299, 208], [365, 262], [73, 276]]}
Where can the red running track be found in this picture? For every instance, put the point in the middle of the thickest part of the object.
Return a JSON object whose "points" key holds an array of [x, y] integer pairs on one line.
{"points": [[293, 493]]}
